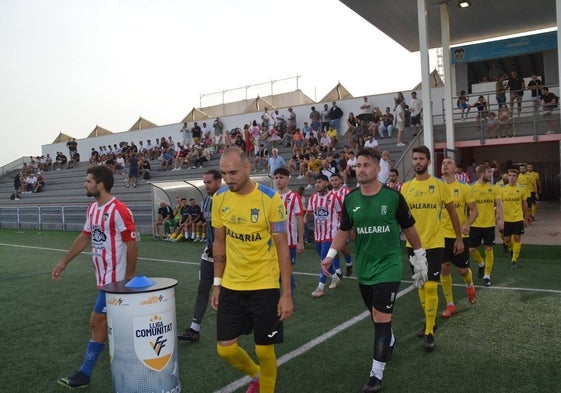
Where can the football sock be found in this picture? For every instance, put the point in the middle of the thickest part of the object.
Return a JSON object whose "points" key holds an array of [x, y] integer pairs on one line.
{"points": [[422, 296], [476, 256], [348, 260], [321, 285], [180, 236], [195, 326], [90, 358], [509, 243], [268, 367], [337, 264], [489, 260], [238, 358], [446, 283], [173, 236], [382, 339], [534, 209], [468, 278], [516, 247], [431, 304]]}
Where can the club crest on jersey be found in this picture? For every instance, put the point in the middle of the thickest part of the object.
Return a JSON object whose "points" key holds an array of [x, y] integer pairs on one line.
{"points": [[105, 216], [254, 216], [431, 189], [98, 235], [456, 192], [383, 210]]}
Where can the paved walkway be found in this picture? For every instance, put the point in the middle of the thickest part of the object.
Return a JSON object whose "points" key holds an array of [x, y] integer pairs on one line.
{"points": [[546, 230]]}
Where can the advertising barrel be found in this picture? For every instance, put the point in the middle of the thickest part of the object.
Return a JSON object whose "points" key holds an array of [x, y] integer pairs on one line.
{"points": [[142, 335]]}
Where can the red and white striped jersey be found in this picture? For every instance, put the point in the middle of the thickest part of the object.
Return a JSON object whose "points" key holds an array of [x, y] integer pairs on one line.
{"points": [[326, 209], [294, 208], [109, 226], [341, 192]]}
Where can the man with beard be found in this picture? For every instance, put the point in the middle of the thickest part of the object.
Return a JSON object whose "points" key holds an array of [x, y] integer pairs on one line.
{"points": [[376, 213], [426, 196], [111, 231]]}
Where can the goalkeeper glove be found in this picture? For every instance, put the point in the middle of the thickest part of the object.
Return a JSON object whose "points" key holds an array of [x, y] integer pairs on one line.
{"points": [[420, 267]]}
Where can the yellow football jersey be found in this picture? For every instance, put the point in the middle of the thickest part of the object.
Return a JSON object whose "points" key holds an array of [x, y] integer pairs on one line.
{"points": [[485, 196], [528, 180], [512, 197], [250, 221], [426, 199], [462, 196]]}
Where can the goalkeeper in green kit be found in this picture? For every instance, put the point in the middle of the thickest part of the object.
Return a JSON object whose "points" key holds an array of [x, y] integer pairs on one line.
{"points": [[376, 213]]}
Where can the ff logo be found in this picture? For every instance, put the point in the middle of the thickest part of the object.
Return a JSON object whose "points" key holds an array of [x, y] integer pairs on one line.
{"points": [[154, 339]]}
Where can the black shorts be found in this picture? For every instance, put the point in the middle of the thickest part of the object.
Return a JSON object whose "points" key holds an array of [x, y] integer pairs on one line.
{"points": [[513, 228], [434, 258], [531, 200], [416, 119], [476, 235], [240, 312], [460, 260], [380, 296]]}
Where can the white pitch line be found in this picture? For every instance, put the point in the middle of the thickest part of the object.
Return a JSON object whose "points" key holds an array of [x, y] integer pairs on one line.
{"points": [[232, 387]]}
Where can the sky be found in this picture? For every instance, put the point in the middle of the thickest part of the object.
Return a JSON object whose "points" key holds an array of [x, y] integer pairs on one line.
{"points": [[69, 65]]}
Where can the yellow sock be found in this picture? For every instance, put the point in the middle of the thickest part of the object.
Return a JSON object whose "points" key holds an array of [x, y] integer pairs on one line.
{"points": [[468, 279], [516, 247], [431, 305], [238, 358], [198, 234], [534, 209], [509, 244], [268, 367], [476, 256], [489, 260], [173, 236], [422, 296], [180, 236], [446, 284]]}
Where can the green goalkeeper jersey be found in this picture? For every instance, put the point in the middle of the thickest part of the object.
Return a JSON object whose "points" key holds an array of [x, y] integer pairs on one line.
{"points": [[376, 221]]}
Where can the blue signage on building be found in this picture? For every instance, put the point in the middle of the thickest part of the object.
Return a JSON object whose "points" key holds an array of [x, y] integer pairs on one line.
{"points": [[504, 48]]}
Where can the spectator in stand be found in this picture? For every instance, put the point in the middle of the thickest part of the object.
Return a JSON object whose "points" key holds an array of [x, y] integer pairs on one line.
{"points": [[196, 132], [74, 160], [18, 182], [482, 113], [298, 140], [365, 110], [495, 72], [371, 143], [350, 168], [500, 90], [133, 171], [72, 146], [275, 161], [386, 124], [291, 123], [516, 85], [185, 134], [492, 128], [315, 164], [550, 102], [463, 104], [535, 86], [218, 126], [400, 121], [504, 128], [471, 172], [325, 118], [352, 122], [249, 141], [94, 157], [274, 137], [335, 115], [359, 133], [181, 157], [385, 165], [333, 136], [261, 157], [315, 119], [266, 118], [392, 180], [460, 175], [144, 168], [167, 159], [416, 109], [30, 182]]}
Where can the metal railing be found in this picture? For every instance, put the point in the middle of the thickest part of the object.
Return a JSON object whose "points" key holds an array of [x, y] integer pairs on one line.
{"points": [[64, 217]]}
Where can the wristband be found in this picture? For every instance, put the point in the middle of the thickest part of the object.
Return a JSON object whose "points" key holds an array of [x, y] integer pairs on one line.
{"points": [[332, 253], [217, 281]]}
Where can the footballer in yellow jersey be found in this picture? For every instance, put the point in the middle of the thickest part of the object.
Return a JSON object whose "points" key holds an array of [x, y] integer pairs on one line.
{"points": [[516, 215], [466, 209], [528, 180], [490, 209], [427, 197], [538, 191], [251, 254]]}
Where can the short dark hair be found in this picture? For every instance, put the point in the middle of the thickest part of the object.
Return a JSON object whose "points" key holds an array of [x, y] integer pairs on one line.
{"points": [[321, 176], [216, 175], [394, 171], [423, 150], [367, 152], [281, 171], [102, 174]]}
